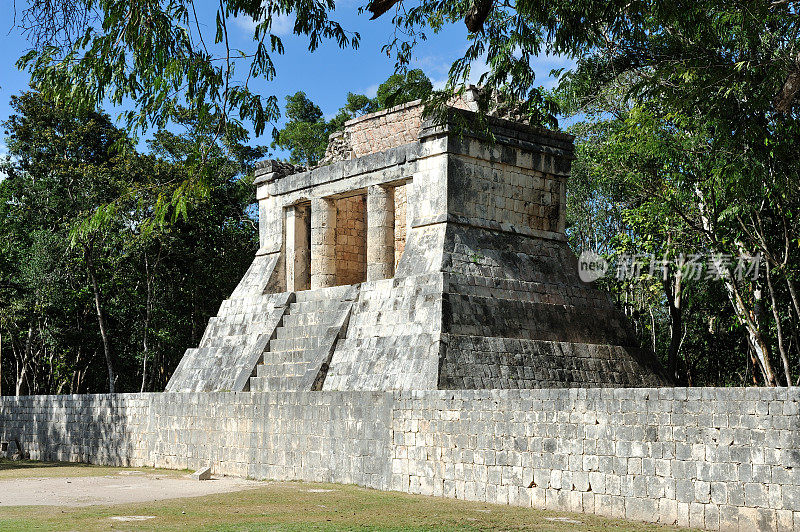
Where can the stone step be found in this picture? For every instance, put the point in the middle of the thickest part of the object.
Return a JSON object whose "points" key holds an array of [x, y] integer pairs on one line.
{"points": [[294, 344], [313, 307], [239, 340], [297, 369], [291, 356], [233, 310], [269, 384], [311, 318], [236, 331], [323, 294], [212, 352], [224, 327], [301, 331], [250, 317]]}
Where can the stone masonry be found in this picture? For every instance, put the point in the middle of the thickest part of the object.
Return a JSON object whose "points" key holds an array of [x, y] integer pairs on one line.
{"points": [[455, 250], [414, 321], [720, 459]]}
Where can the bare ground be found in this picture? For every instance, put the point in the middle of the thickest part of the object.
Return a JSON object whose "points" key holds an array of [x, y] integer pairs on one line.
{"points": [[58, 497]]}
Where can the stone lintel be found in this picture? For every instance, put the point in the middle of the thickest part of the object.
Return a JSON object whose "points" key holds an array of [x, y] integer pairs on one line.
{"points": [[392, 158]]}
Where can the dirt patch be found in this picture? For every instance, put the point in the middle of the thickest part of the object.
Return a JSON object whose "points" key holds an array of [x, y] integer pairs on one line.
{"points": [[120, 488]]}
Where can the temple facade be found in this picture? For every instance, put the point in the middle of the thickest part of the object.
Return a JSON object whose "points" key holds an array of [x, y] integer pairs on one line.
{"points": [[423, 255]]}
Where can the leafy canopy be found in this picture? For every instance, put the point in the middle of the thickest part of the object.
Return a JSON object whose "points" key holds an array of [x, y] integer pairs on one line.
{"points": [[157, 55]]}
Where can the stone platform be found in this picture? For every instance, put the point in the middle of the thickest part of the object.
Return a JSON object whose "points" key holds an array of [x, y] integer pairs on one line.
{"points": [[435, 258]]}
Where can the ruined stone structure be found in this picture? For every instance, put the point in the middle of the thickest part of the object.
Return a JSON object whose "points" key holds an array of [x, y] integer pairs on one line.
{"points": [[396, 289], [428, 257]]}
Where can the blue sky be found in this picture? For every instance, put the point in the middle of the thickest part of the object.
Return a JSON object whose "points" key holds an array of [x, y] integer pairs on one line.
{"points": [[326, 75]]}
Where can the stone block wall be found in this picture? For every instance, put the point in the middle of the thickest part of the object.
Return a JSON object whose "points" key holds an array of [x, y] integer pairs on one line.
{"points": [[392, 341], [713, 458], [486, 191], [376, 132], [351, 240], [323, 243], [235, 338]]}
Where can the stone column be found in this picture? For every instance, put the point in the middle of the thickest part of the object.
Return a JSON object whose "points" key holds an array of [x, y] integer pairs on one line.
{"points": [[380, 233], [302, 247], [289, 247], [323, 243], [297, 248]]}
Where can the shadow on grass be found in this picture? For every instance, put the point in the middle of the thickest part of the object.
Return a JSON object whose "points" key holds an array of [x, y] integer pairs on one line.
{"points": [[10, 465]]}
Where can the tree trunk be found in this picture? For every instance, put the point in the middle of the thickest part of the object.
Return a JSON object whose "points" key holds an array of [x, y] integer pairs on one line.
{"points": [[673, 288], [146, 323], [778, 328], [760, 348], [101, 320], [22, 365], [745, 317]]}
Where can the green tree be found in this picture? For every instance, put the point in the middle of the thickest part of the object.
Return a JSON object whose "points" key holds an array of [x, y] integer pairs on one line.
{"points": [[65, 171], [404, 88], [159, 55], [83, 242], [673, 185], [306, 133], [355, 106]]}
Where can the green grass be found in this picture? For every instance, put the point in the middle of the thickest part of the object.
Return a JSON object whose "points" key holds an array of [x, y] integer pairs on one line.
{"points": [[289, 506], [10, 469]]}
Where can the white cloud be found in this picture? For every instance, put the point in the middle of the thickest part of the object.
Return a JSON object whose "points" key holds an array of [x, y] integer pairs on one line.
{"points": [[372, 91], [282, 25]]}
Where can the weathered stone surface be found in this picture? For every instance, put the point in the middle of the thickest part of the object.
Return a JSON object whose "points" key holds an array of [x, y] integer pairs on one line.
{"points": [[203, 473], [468, 287], [339, 148], [234, 341], [615, 452], [271, 170], [458, 246]]}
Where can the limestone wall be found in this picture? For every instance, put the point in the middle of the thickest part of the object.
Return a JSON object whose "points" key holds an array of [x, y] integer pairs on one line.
{"points": [[386, 129], [493, 191], [715, 458], [351, 240]]}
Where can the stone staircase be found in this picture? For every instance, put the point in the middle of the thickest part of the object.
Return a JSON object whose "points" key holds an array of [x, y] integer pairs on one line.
{"points": [[309, 331]]}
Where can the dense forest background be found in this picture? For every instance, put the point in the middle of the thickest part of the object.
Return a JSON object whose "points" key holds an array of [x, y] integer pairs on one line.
{"points": [[110, 266], [687, 128]]}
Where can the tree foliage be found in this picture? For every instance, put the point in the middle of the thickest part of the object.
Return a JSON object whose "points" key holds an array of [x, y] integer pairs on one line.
{"points": [[403, 88], [94, 302], [687, 144], [305, 134], [650, 178], [159, 55]]}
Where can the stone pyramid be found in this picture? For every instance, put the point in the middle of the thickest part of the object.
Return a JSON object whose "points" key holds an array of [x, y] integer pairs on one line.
{"points": [[422, 256]]}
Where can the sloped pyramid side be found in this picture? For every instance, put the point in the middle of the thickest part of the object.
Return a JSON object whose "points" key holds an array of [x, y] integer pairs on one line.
{"points": [[516, 315], [234, 339], [472, 308]]}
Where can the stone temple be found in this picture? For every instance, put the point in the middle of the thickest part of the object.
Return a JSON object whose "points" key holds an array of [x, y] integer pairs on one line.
{"points": [[426, 257], [414, 321]]}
